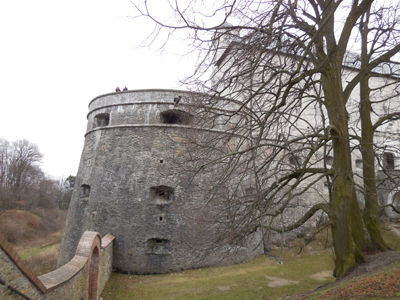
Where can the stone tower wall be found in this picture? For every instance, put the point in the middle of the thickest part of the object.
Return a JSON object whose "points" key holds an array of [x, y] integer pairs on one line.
{"points": [[128, 186]]}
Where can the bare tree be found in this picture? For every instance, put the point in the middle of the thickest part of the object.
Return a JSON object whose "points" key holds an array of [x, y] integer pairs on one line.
{"points": [[20, 172], [379, 32], [281, 91]]}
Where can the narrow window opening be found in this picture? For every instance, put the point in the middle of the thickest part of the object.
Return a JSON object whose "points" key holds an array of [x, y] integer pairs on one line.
{"points": [[388, 161], [85, 190], [161, 218], [329, 160], [161, 161], [102, 119], [359, 163]]}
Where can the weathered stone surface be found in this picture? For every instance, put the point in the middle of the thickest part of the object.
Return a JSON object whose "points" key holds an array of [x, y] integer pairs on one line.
{"points": [[126, 164], [84, 277]]}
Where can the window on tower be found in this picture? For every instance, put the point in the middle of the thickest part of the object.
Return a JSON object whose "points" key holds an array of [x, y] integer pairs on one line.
{"points": [[162, 194], [175, 117], [102, 120]]}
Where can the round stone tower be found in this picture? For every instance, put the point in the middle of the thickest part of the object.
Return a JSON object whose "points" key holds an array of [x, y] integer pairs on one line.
{"points": [[128, 186]]}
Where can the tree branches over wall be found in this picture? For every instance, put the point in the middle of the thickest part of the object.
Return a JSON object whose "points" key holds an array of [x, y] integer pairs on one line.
{"points": [[288, 85]]}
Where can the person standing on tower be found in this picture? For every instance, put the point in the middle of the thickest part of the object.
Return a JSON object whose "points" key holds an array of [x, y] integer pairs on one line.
{"points": [[117, 89]]}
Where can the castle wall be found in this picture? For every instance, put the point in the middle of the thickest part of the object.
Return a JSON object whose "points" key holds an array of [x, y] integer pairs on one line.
{"points": [[84, 277], [15, 274], [128, 185]]}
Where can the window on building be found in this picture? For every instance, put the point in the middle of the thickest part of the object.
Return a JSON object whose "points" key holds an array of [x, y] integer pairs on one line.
{"points": [[329, 160], [161, 218], [157, 246], [388, 161], [359, 163], [85, 190], [102, 120], [162, 194], [175, 117]]}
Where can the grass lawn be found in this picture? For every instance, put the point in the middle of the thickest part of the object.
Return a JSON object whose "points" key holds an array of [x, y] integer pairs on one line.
{"points": [[262, 278]]}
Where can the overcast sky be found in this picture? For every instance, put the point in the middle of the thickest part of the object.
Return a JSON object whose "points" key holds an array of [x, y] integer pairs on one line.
{"points": [[56, 56]]}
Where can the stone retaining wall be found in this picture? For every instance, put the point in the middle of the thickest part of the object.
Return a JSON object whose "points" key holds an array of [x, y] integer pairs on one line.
{"points": [[84, 277]]}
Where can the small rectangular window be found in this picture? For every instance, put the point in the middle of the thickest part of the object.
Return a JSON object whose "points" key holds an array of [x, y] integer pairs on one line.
{"points": [[102, 120], [388, 161], [85, 190]]}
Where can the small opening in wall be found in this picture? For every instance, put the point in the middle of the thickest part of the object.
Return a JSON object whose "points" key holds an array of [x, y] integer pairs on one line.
{"points": [[359, 163], [326, 184], [161, 161], [388, 161], [157, 246], [161, 218], [85, 190], [102, 119], [329, 160], [162, 194], [175, 117]]}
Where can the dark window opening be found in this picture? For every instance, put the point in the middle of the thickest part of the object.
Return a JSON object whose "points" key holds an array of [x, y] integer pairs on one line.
{"points": [[157, 246], [161, 218], [85, 190], [329, 160], [388, 161], [102, 119], [175, 117], [162, 194], [161, 161]]}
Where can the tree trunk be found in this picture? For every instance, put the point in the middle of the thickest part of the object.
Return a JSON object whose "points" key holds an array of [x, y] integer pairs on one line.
{"points": [[346, 216], [371, 212]]}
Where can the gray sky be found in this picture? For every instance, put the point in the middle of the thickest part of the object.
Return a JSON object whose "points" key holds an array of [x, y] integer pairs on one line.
{"points": [[56, 56]]}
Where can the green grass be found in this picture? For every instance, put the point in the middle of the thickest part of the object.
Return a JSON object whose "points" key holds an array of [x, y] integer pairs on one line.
{"points": [[29, 252], [258, 279], [244, 281]]}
